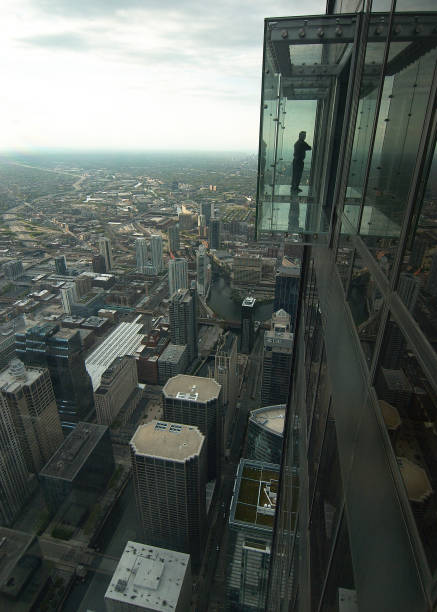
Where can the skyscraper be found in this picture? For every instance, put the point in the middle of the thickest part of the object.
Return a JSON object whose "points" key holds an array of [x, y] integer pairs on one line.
{"points": [[118, 390], [13, 270], [226, 374], [169, 473], [173, 238], [203, 269], [105, 250], [141, 254], [195, 400], [352, 531], [177, 275], [247, 324], [156, 251], [61, 265], [61, 351], [278, 351], [98, 263], [28, 394], [207, 210], [214, 234], [183, 321], [287, 288], [68, 296]]}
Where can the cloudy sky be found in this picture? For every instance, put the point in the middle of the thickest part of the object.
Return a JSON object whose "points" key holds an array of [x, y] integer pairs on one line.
{"points": [[134, 74]]}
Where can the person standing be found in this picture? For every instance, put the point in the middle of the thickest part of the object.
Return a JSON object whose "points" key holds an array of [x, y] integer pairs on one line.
{"points": [[300, 148]]}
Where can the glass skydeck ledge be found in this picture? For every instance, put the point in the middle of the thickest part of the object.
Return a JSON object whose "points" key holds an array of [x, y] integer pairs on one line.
{"points": [[335, 77]]}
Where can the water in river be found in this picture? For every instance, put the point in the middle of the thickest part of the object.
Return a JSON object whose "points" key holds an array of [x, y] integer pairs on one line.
{"points": [[220, 300]]}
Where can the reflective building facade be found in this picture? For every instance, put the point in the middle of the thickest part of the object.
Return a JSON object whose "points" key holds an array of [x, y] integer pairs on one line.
{"points": [[359, 432]]}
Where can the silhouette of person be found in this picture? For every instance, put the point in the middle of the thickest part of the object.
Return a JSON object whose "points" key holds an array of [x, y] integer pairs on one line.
{"points": [[300, 148]]}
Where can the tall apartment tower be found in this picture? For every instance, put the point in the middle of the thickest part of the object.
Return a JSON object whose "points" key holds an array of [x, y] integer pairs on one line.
{"points": [[287, 288], [14, 477], [68, 297], [173, 238], [183, 321], [356, 512], [118, 387], [105, 250], [169, 473], [247, 324], [98, 264], [141, 254], [201, 226], [61, 352], [177, 275], [61, 265], [214, 233], [29, 396], [156, 252], [278, 350], [207, 210], [195, 400], [203, 270], [226, 374]]}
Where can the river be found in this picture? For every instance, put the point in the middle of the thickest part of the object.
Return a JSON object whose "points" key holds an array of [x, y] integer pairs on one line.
{"points": [[220, 300]]}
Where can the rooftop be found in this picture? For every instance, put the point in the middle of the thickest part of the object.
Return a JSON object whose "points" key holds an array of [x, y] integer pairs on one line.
{"points": [[255, 491], [193, 388], [72, 454], [149, 577], [249, 302], [12, 545], [13, 379], [173, 352], [270, 417], [167, 440]]}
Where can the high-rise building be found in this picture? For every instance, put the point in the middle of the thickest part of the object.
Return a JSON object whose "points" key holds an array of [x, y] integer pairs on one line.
{"points": [[278, 351], [358, 529], [150, 579], [169, 473], [172, 361], [141, 254], [83, 285], [68, 296], [61, 265], [247, 324], [105, 250], [251, 520], [13, 270], [98, 264], [417, 253], [203, 269], [156, 252], [226, 374], [173, 238], [118, 390], [201, 226], [265, 434], [195, 400], [14, 477], [177, 275], [214, 234], [183, 321], [207, 210], [29, 396], [61, 352], [287, 288]]}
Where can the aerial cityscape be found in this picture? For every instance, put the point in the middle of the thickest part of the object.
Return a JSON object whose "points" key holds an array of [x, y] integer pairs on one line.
{"points": [[218, 368]]}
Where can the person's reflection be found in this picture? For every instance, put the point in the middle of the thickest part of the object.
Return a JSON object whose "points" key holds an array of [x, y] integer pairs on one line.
{"points": [[300, 148]]}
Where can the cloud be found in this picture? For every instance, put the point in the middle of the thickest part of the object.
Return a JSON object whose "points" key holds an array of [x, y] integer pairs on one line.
{"points": [[70, 41]]}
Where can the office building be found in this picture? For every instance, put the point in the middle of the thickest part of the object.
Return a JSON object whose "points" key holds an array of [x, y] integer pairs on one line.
{"points": [[265, 434], [173, 238], [177, 275], [226, 374], [201, 226], [172, 361], [118, 394], [13, 270], [61, 352], [203, 269], [214, 234], [183, 321], [251, 520], [247, 324], [78, 472], [365, 538], [7, 346], [156, 253], [195, 400], [150, 579], [141, 254], [98, 264], [169, 474], [29, 396], [207, 210], [68, 297], [246, 270], [83, 284], [105, 249], [287, 288], [278, 351], [61, 265]]}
